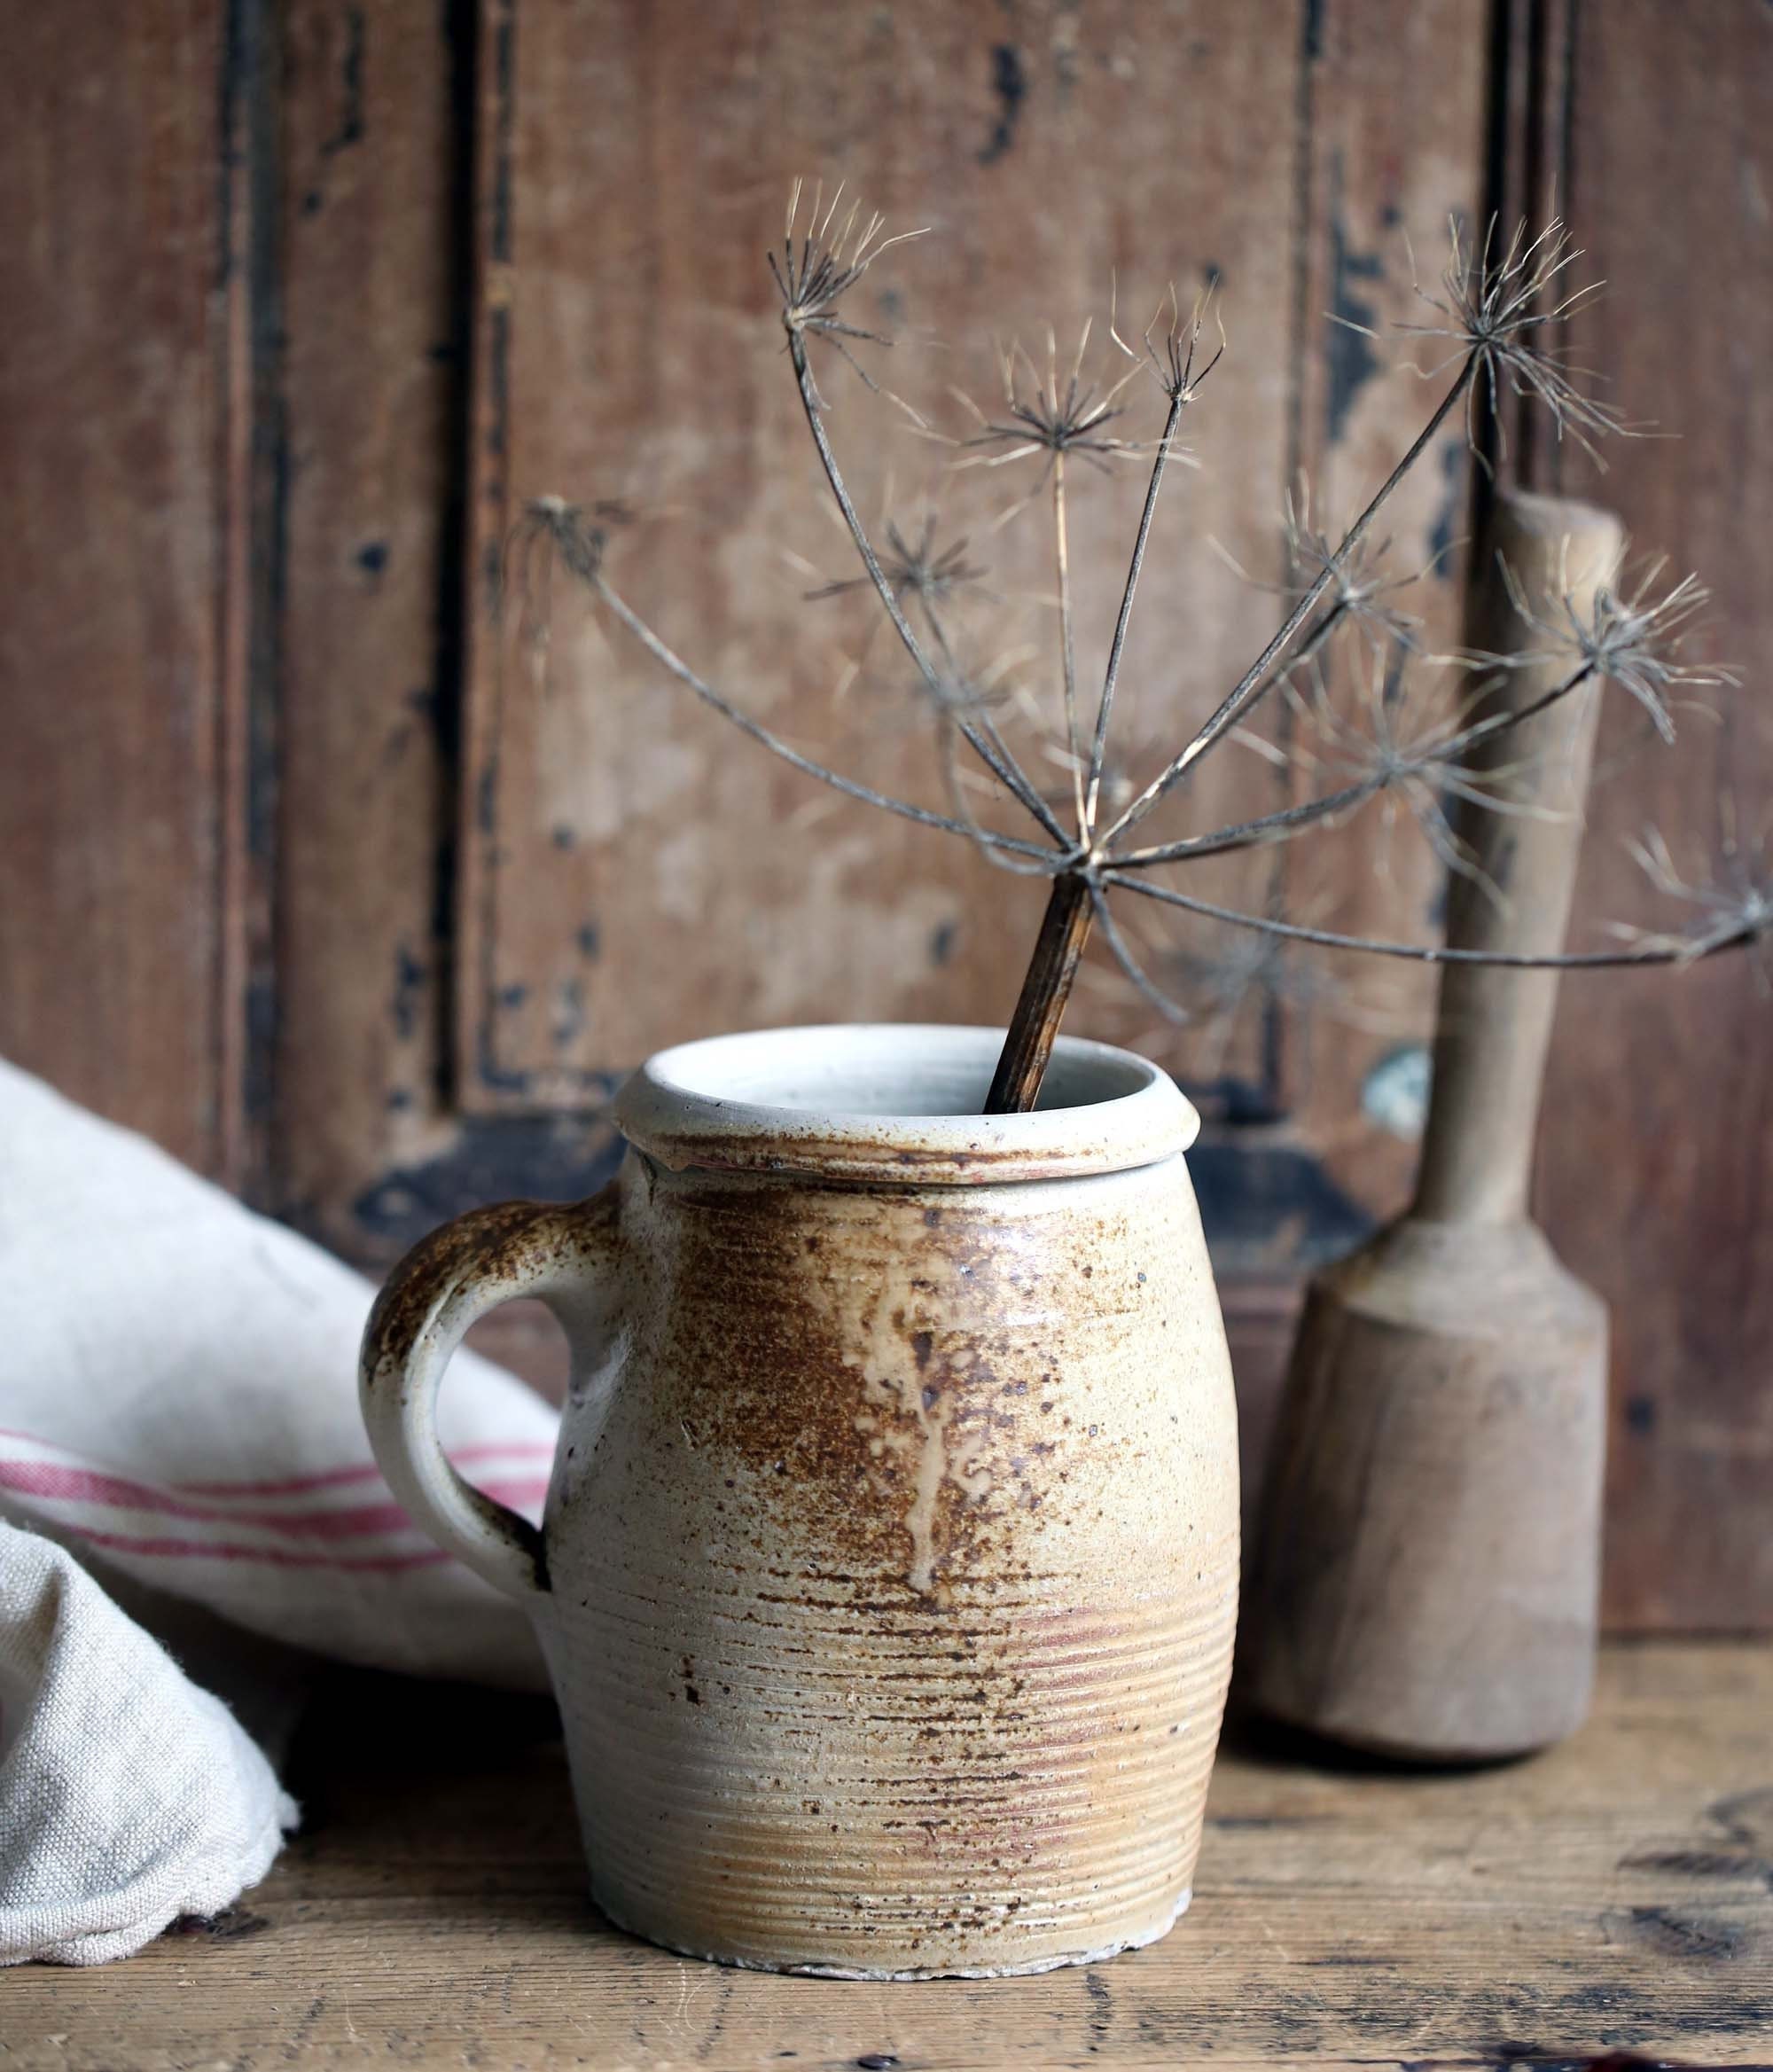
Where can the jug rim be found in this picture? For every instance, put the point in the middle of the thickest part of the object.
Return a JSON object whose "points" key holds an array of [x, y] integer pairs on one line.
{"points": [[898, 1102]]}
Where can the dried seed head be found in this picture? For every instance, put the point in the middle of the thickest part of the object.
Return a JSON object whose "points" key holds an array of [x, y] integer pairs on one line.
{"points": [[1361, 583], [1167, 346], [577, 533], [1500, 306], [1404, 750], [1050, 414], [924, 575], [551, 530], [1237, 966], [1631, 638], [919, 570], [822, 259], [1733, 903], [1224, 976], [960, 692]]}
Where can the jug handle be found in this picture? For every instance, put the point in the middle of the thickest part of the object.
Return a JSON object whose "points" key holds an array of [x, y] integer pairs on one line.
{"points": [[445, 1284]]}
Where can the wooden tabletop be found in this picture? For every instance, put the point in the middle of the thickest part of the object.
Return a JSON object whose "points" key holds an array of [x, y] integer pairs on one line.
{"points": [[1616, 1894]]}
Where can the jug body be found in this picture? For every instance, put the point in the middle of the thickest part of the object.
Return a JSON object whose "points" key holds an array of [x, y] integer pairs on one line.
{"points": [[888, 1575]]}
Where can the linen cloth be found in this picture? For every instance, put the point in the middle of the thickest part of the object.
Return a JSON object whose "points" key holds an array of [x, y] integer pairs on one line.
{"points": [[179, 1411], [127, 1796]]}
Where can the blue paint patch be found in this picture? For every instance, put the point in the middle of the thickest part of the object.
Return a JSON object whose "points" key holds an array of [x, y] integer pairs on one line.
{"points": [[1270, 1208], [1350, 361], [548, 1158], [1442, 536], [1010, 84], [410, 978]]}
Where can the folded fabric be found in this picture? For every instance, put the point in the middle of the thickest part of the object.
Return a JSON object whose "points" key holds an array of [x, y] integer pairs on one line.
{"points": [[127, 1796], [178, 1400], [178, 1408]]}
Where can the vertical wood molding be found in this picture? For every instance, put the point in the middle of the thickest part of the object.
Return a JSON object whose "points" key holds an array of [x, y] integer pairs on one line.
{"points": [[1529, 170], [235, 616], [375, 211], [1391, 136], [474, 1071], [116, 681], [371, 205], [251, 490], [1655, 1172]]}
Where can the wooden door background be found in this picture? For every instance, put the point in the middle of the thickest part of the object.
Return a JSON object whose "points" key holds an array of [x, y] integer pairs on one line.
{"points": [[305, 873]]}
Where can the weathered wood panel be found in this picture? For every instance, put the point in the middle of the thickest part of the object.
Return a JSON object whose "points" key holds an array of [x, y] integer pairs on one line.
{"points": [[633, 874], [1608, 1897], [114, 699], [592, 783], [372, 208], [1656, 1169]]}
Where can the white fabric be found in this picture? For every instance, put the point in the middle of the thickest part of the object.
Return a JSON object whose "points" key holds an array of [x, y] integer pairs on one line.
{"points": [[178, 1407], [127, 1796]]}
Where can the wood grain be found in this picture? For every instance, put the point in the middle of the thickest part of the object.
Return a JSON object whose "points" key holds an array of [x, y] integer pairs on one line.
{"points": [[1613, 1894], [1391, 132], [366, 1148], [114, 700], [372, 170], [631, 873], [1655, 1177]]}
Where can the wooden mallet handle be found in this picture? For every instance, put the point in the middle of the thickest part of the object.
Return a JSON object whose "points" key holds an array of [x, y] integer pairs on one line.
{"points": [[1493, 1024]]}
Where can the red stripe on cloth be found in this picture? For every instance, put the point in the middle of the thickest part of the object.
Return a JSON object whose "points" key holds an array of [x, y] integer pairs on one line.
{"points": [[272, 1557], [363, 1471], [54, 1481]]}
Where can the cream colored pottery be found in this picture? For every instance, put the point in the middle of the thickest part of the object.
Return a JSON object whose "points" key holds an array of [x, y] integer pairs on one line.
{"points": [[889, 1568]]}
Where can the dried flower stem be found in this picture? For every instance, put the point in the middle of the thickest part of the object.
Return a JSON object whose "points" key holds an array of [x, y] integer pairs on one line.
{"points": [[1294, 819], [1496, 307], [1024, 859], [1131, 968], [1068, 648], [1065, 928], [1432, 952], [1266, 827], [985, 740], [743, 720], [1502, 723], [1259, 676], [1098, 749]]}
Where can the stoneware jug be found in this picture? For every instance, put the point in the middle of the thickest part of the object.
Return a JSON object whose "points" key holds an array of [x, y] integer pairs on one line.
{"points": [[888, 1573]]}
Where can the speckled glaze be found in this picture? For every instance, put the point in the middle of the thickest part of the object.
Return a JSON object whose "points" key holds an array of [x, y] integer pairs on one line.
{"points": [[888, 1574]]}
